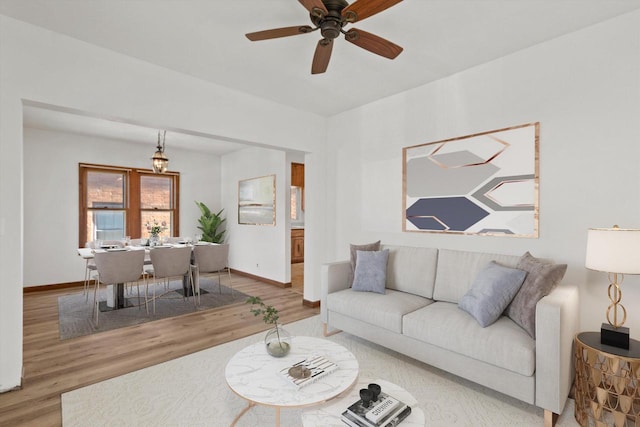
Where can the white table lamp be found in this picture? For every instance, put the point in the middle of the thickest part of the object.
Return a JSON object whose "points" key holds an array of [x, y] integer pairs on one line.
{"points": [[615, 251]]}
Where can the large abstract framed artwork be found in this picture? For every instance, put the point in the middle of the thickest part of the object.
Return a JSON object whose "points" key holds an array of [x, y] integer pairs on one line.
{"points": [[257, 201], [486, 183]]}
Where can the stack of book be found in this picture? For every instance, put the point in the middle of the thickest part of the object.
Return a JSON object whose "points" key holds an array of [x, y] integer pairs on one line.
{"points": [[314, 368], [384, 412]]}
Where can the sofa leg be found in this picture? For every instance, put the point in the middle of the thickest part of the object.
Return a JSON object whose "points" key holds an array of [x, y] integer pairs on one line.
{"points": [[328, 334], [550, 418]]}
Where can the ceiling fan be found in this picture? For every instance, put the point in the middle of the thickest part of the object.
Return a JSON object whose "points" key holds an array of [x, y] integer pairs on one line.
{"points": [[330, 16]]}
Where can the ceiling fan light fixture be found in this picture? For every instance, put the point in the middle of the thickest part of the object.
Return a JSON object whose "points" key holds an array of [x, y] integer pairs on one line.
{"points": [[160, 161], [330, 17]]}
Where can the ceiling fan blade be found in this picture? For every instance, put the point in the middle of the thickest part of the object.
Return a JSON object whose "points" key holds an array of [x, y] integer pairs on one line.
{"points": [[279, 32], [315, 7], [373, 43], [322, 56], [362, 9]]}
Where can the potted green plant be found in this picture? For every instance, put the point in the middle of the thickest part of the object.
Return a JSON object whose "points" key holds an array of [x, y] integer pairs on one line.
{"points": [[277, 340], [210, 223]]}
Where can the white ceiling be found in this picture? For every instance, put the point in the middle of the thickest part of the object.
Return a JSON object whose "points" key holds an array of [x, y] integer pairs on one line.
{"points": [[205, 39]]}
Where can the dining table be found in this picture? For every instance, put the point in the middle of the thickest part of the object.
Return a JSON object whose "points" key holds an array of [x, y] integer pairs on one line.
{"points": [[116, 296]]}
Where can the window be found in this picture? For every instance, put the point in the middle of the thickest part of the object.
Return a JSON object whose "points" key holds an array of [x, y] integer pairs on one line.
{"points": [[116, 202], [294, 203]]}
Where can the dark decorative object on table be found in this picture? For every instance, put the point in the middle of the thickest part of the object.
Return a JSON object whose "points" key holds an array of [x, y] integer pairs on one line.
{"points": [[367, 396], [375, 389], [277, 340], [375, 409]]}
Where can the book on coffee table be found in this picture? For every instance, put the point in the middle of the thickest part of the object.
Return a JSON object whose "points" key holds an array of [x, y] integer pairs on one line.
{"points": [[384, 412], [308, 370]]}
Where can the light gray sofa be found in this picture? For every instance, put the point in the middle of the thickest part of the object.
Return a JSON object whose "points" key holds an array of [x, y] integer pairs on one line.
{"points": [[419, 316]]}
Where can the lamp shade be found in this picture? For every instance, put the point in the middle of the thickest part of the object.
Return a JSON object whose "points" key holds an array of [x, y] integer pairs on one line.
{"points": [[613, 250]]}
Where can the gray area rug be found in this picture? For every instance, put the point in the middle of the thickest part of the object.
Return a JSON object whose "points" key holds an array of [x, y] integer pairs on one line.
{"points": [[76, 319]]}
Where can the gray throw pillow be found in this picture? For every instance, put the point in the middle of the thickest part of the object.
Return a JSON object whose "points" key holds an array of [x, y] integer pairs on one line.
{"points": [[542, 278], [491, 292], [375, 246], [371, 271]]}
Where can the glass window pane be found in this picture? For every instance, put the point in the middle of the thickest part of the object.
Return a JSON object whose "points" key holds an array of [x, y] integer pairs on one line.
{"points": [[155, 192], [105, 225], [151, 218], [105, 189], [294, 203]]}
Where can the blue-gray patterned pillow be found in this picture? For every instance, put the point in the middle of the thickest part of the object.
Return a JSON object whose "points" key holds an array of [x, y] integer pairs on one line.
{"points": [[353, 250], [491, 292], [371, 271]]}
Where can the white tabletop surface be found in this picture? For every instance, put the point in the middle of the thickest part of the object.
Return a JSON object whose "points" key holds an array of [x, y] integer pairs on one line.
{"points": [[88, 253], [328, 415], [254, 375]]}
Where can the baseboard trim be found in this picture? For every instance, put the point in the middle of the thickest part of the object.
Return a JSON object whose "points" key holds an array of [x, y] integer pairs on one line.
{"points": [[53, 287], [310, 304], [262, 279]]}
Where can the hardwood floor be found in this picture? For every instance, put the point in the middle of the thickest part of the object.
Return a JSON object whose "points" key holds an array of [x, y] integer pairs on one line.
{"points": [[297, 277], [52, 367]]}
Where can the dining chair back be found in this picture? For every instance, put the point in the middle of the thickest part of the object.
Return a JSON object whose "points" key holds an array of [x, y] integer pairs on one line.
{"points": [[114, 268], [119, 266], [171, 262], [211, 259]]}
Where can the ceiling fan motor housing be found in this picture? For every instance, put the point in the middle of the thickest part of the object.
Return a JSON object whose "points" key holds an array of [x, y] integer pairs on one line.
{"points": [[331, 24]]}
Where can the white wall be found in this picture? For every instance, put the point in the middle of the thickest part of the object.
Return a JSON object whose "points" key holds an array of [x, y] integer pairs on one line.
{"points": [[583, 88], [43, 66], [51, 194], [262, 250]]}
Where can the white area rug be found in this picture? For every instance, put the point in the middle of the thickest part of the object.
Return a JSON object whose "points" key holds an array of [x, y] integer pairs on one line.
{"points": [[191, 391]]}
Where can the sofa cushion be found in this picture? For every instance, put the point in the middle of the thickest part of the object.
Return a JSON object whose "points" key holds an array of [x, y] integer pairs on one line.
{"points": [[542, 277], [371, 271], [491, 292], [384, 311], [353, 249], [503, 344], [411, 269], [458, 269]]}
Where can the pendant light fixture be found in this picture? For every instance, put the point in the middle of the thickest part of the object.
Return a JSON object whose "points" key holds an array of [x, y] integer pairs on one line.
{"points": [[160, 161]]}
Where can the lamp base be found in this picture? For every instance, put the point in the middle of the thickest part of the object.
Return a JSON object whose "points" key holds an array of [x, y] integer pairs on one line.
{"points": [[615, 337]]}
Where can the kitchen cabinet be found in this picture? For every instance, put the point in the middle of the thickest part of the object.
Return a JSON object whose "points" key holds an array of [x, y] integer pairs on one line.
{"points": [[297, 174], [297, 245]]}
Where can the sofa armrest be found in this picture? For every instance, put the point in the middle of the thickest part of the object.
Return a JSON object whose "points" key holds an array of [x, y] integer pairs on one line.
{"points": [[556, 326], [334, 277]]}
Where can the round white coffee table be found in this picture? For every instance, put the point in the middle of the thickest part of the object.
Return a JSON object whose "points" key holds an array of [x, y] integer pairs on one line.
{"points": [[328, 415], [255, 376]]}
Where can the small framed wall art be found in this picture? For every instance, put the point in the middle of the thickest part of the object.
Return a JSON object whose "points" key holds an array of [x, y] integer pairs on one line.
{"points": [[257, 201], [483, 184]]}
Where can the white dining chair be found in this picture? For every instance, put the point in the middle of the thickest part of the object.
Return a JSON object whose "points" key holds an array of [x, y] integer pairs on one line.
{"points": [[90, 271], [209, 259], [114, 268], [167, 263]]}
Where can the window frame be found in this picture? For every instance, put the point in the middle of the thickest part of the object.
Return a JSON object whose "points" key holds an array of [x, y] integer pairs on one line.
{"points": [[132, 209]]}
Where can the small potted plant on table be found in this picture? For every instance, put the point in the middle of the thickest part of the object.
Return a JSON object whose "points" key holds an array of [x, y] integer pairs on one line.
{"points": [[277, 340]]}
